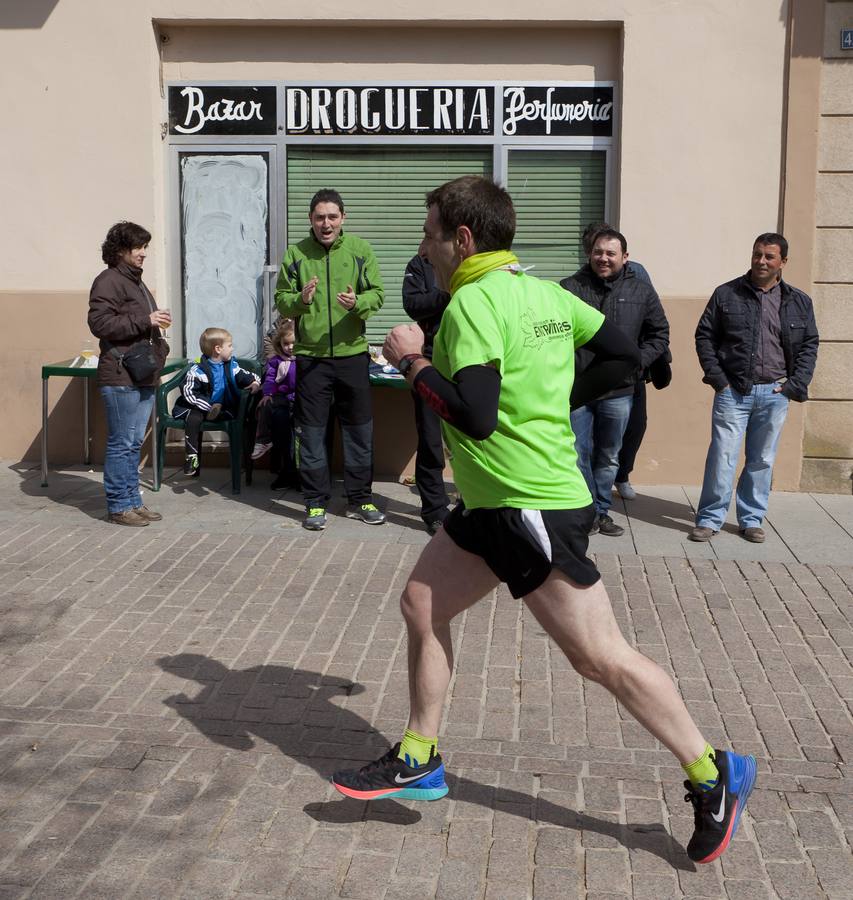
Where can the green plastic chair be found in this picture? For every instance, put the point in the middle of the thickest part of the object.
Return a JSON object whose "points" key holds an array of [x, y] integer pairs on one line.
{"points": [[239, 430]]}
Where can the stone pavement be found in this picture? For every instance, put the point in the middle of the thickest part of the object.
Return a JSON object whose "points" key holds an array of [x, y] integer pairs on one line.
{"points": [[173, 700]]}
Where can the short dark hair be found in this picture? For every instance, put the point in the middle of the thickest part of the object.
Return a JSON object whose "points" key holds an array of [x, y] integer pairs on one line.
{"points": [[123, 236], [611, 234], [326, 195], [771, 237], [481, 205], [590, 233]]}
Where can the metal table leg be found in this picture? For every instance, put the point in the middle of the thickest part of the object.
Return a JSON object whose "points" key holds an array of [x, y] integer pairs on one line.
{"points": [[154, 447], [44, 432], [87, 456]]}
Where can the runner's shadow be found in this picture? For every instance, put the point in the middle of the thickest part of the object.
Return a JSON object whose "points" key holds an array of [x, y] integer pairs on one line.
{"points": [[293, 710], [290, 709]]}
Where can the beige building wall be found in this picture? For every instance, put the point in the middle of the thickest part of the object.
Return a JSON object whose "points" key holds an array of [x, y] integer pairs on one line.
{"points": [[697, 172], [828, 440]]}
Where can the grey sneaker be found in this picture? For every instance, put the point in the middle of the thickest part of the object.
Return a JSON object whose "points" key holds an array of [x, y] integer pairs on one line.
{"points": [[315, 518], [128, 517], [700, 534], [366, 512], [625, 490]]}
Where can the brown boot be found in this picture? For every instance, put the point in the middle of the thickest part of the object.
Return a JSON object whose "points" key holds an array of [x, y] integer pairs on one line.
{"points": [[128, 517], [148, 514], [753, 535], [700, 533]]}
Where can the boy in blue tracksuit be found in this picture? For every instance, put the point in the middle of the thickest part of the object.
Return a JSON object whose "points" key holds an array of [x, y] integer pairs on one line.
{"points": [[211, 391]]}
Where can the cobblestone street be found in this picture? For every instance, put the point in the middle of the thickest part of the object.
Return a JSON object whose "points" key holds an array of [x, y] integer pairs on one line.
{"points": [[173, 700]]}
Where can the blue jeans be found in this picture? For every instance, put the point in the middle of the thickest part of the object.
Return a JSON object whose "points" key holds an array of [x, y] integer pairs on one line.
{"points": [[760, 414], [599, 427], [128, 411]]}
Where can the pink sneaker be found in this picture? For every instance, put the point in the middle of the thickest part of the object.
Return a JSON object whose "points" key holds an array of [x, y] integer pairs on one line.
{"points": [[260, 448]]}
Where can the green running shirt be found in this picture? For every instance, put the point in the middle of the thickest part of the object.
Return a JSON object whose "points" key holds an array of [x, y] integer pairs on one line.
{"points": [[528, 329]]}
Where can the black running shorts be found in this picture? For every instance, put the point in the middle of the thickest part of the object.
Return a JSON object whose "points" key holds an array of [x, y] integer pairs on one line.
{"points": [[521, 546]]}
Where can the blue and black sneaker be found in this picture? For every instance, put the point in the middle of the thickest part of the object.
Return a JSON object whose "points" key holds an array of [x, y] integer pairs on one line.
{"points": [[391, 777], [717, 812]]}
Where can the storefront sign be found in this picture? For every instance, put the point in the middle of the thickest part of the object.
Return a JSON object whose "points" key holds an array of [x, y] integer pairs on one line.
{"points": [[465, 110], [558, 111], [222, 110], [384, 110]]}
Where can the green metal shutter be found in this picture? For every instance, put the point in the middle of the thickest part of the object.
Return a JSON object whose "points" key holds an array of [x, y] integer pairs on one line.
{"points": [[383, 189], [556, 193]]}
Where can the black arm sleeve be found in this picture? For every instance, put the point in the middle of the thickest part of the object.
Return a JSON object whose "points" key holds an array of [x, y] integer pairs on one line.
{"points": [[616, 358], [470, 403]]}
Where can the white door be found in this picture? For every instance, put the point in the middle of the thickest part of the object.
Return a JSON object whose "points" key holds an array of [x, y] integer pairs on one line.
{"points": [[225, 237]]}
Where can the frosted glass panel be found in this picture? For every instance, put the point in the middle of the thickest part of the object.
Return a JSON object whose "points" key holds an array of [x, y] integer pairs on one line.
{"points": [[224, 217]]}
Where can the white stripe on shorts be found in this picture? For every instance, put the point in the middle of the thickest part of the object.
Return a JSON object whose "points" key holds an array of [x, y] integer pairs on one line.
{"points": [[532, 519]]}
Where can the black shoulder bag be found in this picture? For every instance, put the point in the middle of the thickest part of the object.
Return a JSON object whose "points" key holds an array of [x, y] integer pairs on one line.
{"points": [[139, 360]]}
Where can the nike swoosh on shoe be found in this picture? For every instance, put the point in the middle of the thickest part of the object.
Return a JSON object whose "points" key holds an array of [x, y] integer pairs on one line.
{"points": [[720, 814], [398, 780]]}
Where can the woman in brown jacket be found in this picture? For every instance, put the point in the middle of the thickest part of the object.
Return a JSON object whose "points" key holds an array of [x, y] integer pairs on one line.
{"points": [[122, 312]]}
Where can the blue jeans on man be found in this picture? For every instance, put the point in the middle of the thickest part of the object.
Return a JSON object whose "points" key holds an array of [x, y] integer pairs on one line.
{"points": [[599, 427], [759, 415], [128, 410]]}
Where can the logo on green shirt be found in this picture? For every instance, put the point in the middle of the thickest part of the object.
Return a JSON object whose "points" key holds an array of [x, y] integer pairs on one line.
{"points": [[537, 331]]}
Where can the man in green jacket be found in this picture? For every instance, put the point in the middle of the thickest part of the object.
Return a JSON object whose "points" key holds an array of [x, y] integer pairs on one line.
{"points": [[330, 284]]}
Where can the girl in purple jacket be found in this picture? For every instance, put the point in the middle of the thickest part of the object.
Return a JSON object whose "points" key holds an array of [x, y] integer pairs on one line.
{"points": [[275, 411]]}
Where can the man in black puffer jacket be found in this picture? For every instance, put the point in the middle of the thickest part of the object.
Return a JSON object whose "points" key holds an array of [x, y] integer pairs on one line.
{"points": [[757, 344], [631, 304]]}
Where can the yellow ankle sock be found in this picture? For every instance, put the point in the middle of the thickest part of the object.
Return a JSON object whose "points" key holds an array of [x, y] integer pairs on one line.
{"points": [[703, 773], [415, 749]]}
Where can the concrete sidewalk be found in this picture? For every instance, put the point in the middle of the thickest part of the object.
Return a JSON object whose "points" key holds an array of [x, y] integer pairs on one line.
{"points": [[801, 528], [174, 698]]}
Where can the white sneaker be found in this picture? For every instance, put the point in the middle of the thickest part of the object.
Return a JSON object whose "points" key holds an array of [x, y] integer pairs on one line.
{"points": [[260, 449], [625, 491]]}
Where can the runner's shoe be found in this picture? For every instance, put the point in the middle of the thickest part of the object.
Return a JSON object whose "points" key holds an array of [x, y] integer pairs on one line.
{"points": [[717, 812], [389, 776]]}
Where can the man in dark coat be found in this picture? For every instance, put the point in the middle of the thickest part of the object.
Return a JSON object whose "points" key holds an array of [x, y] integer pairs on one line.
{"points": [[757, 343], [424, 302], [609, 284]]}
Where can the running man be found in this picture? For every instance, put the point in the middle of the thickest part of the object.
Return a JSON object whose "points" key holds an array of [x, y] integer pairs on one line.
{"points": [[501, 377]]}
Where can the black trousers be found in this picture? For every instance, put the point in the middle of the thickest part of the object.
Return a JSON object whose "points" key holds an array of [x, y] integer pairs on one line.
{"points": [[194, 419], [320, 382], [634, 433], [429, 463]]}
